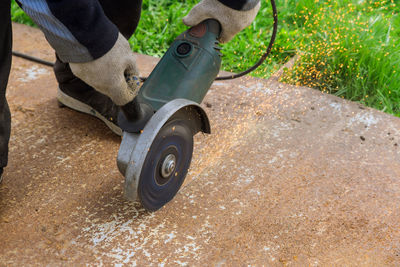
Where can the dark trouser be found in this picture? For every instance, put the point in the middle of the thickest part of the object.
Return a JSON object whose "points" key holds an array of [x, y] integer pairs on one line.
{"points": [[5, 65], [125, 14]]}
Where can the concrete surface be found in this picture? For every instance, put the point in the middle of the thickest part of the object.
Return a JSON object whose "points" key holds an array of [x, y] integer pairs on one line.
{"points": [[289, 177]]}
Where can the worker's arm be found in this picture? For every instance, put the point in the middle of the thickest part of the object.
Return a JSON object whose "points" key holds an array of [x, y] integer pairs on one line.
{"points": [[82, 35], [233, 15], [78, 30]]}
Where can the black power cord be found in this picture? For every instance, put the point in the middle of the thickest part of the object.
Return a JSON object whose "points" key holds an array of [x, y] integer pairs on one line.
{"points": [[33, 59], [265, 55], [229, 77]]}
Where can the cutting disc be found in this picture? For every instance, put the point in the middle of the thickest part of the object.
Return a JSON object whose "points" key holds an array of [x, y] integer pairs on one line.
{"points": [[156, 161], [166, 165]]}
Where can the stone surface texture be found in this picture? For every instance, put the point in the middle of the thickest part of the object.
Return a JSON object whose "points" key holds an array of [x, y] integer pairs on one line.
{"points": [[288, 177]]}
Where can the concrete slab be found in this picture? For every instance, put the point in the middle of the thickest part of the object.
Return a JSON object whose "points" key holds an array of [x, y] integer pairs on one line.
{"points": [[290, 176]]}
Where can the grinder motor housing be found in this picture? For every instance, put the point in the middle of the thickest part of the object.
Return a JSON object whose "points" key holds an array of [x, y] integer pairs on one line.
{"points": [[187, 69]]}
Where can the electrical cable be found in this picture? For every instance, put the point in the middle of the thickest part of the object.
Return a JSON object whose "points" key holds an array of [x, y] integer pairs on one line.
{"points": [[34, 59], [229, 77], [265, 55]]}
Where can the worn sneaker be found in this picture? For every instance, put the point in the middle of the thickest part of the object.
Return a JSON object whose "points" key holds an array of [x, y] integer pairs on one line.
{"points": [[92, 103], [79, 96]]}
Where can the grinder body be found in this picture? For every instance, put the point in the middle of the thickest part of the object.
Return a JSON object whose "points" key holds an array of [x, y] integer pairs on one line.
{"points": [[187, 69]]}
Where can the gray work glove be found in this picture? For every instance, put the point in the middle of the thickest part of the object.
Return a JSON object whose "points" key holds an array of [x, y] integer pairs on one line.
{"points": [[108, 73], [231, 20]]}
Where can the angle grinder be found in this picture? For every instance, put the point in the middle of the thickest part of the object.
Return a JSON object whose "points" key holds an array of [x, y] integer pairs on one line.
{"points": [[159, 124]]}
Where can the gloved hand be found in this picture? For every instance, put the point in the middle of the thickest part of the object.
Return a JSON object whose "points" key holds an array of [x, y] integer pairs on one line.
{"points": [[108, 73], [231, 20]]}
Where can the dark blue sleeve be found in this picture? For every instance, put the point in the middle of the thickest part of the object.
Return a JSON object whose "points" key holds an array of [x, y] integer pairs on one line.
{"points": [[78, 30]]}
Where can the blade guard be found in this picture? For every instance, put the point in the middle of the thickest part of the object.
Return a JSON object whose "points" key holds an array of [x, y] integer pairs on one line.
{"points": [[135, 146]]}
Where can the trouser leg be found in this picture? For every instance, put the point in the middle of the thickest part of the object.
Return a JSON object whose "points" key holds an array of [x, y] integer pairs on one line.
{"points": [[5, 65]]}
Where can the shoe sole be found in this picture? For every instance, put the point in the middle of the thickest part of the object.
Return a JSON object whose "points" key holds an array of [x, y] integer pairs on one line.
{"points": [[77, 105]]}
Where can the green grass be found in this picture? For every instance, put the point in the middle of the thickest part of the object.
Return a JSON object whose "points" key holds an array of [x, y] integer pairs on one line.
{"points": [[349, 48], [19, 16]]}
